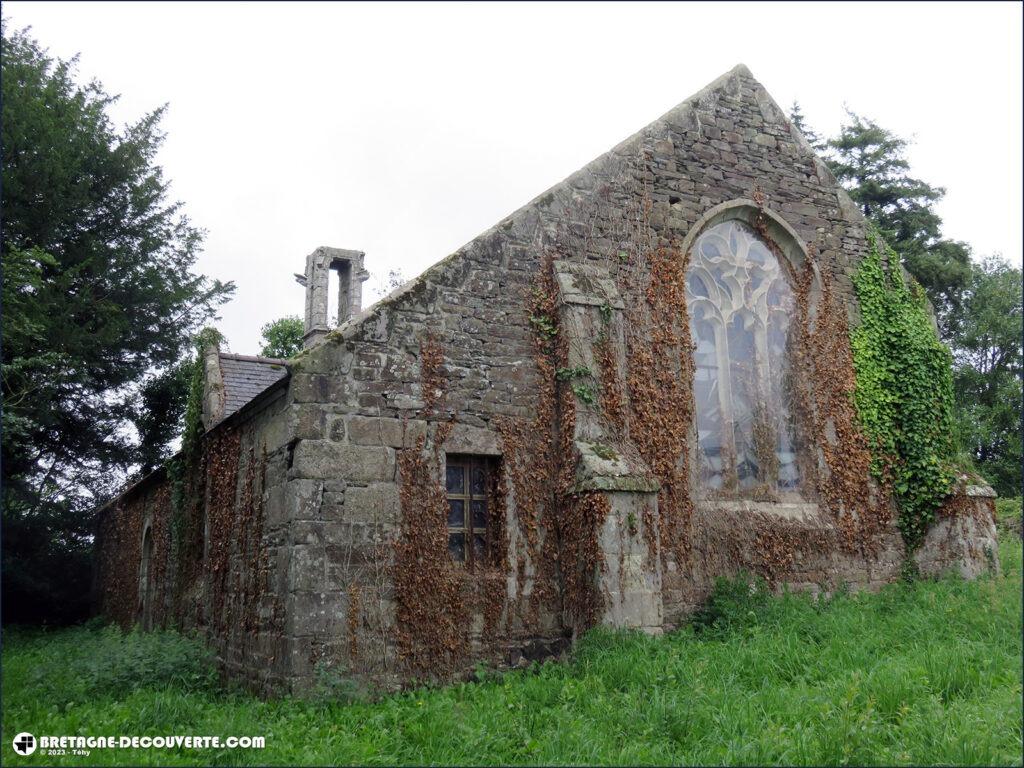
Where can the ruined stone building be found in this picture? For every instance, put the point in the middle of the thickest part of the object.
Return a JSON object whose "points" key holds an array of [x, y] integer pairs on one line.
{"points": [[639, 381]]}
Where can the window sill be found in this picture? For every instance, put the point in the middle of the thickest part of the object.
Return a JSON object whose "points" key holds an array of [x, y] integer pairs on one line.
{"points": [[800, 511]]}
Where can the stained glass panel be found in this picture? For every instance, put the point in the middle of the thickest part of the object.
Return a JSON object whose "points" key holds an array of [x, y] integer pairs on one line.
{"points": [[740, 306]]}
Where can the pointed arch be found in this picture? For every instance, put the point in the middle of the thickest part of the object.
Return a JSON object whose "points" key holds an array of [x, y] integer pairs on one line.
{"points": [[742, 263]]}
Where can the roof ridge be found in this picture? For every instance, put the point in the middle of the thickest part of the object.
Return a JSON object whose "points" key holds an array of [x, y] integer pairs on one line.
{"points": [[254, 358], [350, 326]]}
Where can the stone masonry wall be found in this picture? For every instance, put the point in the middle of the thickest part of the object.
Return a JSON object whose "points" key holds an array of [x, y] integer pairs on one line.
{"points": [[963, 539], [365, 395], [360, 402], [119, 540], [245, 571], [333, 564], [233, 587]]}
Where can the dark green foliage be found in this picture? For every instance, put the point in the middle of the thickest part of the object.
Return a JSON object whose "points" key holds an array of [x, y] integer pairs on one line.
{"points": [[584, 393], [869, 162], [186, 480], [47, 564], [160, 413], [904, 392], [986, 338], [283, 337], [977, 306], [192, 430], [544, 326], [98, 294], [578, 372], [581, 389], [917, 674], [334, 684], [734, 605]]}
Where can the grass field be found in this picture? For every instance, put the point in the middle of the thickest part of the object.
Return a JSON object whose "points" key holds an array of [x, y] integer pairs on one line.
{"points": [[920, 673]]}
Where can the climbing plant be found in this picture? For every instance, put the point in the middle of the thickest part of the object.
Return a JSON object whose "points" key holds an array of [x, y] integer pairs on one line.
{"points": [[904, 391], [183, 468]]}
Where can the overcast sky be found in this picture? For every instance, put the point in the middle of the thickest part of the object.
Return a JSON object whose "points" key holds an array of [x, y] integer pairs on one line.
{"points": [[404, 130]]}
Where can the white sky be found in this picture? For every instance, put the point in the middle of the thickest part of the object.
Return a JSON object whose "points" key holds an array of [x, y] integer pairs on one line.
{"points": [[404, 130]]}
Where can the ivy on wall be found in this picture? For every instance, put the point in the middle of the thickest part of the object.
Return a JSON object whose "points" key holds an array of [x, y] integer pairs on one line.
{"points": [[659, 376], [531, 458], [183, 469], [824, 383], [431, 612], [119, 555], [904, 391]]}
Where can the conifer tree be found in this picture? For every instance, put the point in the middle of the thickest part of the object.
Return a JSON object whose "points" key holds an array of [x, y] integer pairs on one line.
{"points": [[870, 162], [99, 296]]}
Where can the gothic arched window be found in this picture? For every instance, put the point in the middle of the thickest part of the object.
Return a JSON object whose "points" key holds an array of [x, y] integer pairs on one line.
{"points": [[146, 581], [740, 306]]}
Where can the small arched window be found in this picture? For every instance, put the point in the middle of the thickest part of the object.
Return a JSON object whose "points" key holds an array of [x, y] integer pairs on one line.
{"points": [[146, 581], [740, 306]]}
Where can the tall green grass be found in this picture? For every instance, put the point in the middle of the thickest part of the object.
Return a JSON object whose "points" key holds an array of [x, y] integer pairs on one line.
{"points": [[921, 673]]}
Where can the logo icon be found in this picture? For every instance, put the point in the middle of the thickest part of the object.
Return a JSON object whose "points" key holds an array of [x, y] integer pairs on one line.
{"points": [[25, 744]]}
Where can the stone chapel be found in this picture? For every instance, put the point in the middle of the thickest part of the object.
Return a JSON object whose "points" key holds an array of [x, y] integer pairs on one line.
{"points": [[639, 381]]}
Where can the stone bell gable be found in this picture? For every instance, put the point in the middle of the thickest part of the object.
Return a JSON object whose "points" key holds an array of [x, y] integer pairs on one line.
{"points": [[637, 382]]}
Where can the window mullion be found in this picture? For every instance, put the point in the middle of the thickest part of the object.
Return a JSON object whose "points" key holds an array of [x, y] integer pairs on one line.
{"points": [[467, 543]]}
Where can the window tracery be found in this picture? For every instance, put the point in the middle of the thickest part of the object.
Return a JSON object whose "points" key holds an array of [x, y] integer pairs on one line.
{"points": [[740, 305]]}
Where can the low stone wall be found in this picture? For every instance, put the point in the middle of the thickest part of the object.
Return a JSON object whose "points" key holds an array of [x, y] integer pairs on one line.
{"points": [[963, 538], [796, 545]]}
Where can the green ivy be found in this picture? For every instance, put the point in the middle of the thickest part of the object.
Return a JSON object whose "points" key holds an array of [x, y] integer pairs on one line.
{"points": [[182, 467], [582, 390], [584, 393], [904, 392], [577, 372], [544, 326]]}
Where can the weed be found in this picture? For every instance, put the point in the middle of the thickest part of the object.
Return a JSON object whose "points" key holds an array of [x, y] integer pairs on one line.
{"points": [[334, 683], [577, 372], [584, 393]]}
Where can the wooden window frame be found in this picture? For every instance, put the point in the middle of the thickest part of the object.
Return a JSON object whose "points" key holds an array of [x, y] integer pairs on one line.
{"points": [[467, 463]]}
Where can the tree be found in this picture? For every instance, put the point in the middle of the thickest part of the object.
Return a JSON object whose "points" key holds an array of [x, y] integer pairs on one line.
{"points": [[283, 337], [796, 117], [160, 413], [978, 306], [98, 294], [986, 340], [870, 163]]}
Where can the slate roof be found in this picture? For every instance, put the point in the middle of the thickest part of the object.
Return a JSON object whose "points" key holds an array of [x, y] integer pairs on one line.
{"points": [[246, 376]]}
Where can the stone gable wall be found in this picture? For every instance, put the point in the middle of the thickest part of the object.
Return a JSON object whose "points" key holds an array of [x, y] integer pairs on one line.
{"points": [[362, 397], [457, 361]]}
